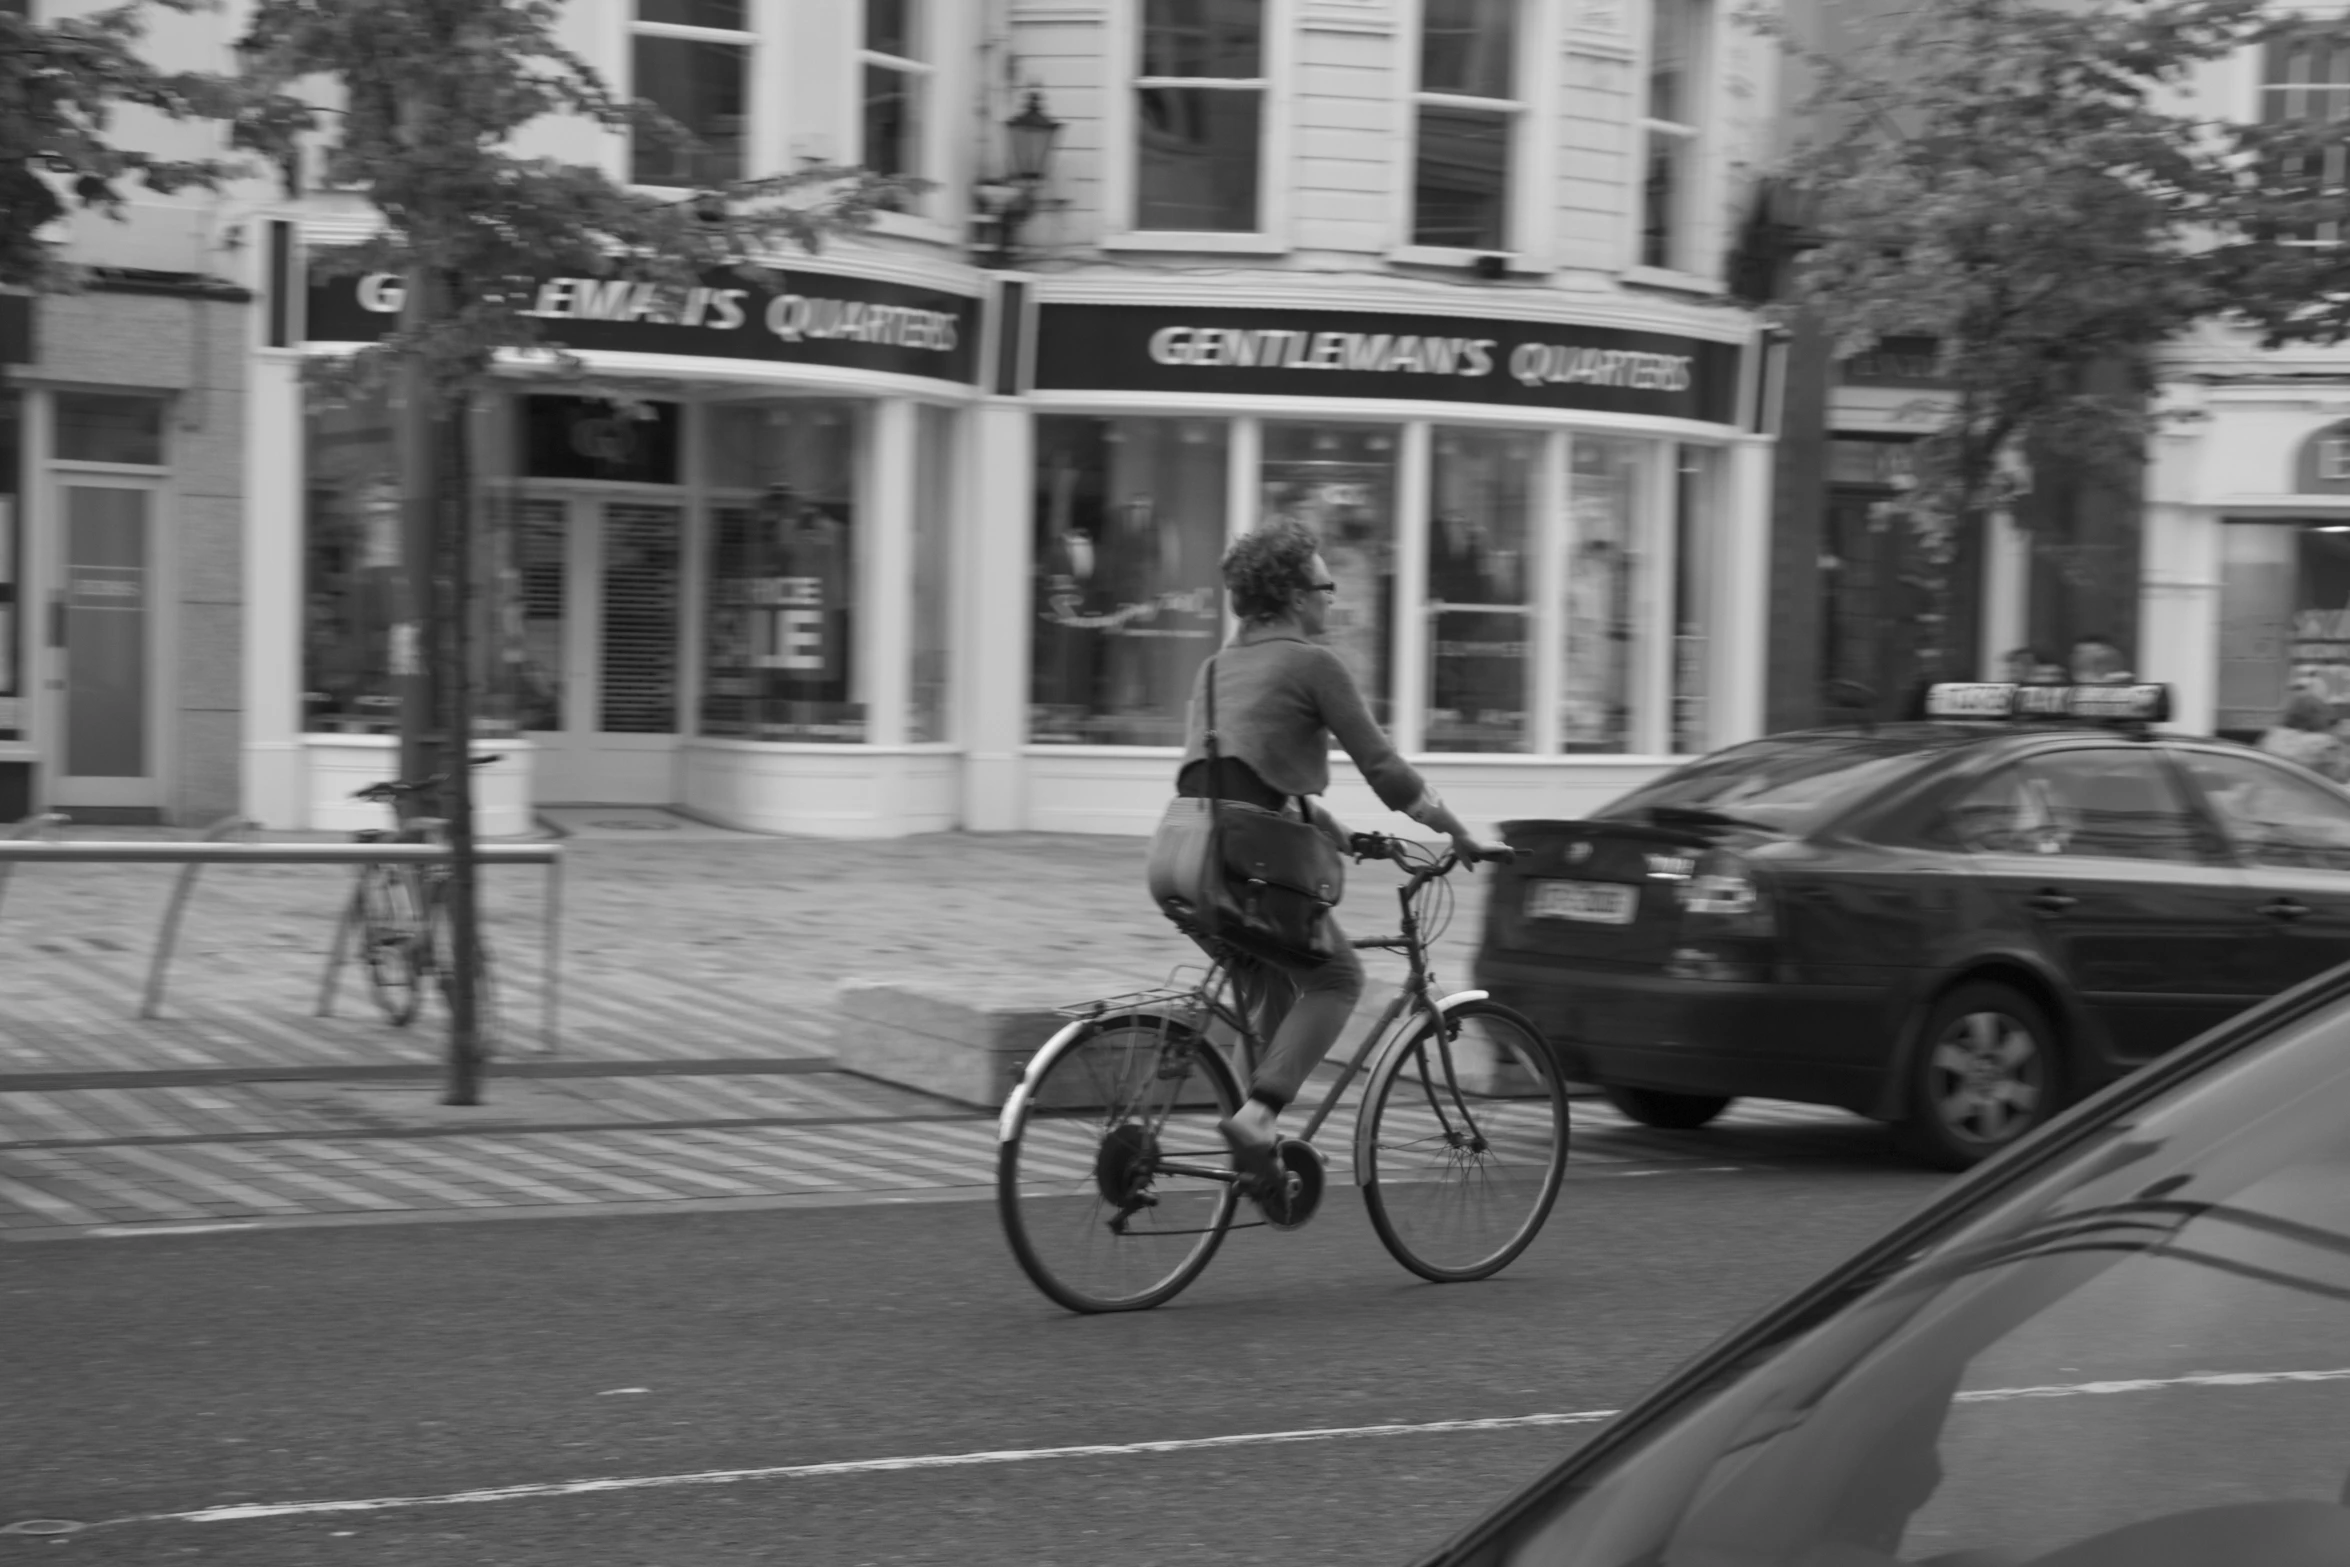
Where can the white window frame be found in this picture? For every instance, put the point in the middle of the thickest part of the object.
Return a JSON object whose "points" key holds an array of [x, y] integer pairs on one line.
{"points": [[1527, 216], [1696, 227], [1121, 125], [762, 85], [939, 32]]}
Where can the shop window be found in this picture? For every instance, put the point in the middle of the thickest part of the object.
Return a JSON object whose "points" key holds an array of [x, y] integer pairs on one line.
{"points": [[928, 714], [108, 427], [1199, 116], [2305, 76], [592, 438], [1669, 133], [782, 621], [1129, 534], [897, 69], [1339, 480], [2282, 624], [12, 628], [1604, 498], [1466, 116], [691, 59], [1696, 594], [1480, 614]]}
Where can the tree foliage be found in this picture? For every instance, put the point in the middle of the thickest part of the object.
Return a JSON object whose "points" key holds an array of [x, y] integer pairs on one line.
{"points": [[61, 84]]}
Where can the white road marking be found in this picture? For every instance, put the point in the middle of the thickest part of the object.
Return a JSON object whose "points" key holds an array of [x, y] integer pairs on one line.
{"points": [[113, 1231], [243, 1511]]}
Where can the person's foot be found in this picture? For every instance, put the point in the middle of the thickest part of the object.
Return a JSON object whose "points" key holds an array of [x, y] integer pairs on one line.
{"points": [[1252, 1155]]}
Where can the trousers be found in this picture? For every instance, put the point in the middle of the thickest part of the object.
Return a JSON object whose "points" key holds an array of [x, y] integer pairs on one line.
{"points": [[1301, 1009]]}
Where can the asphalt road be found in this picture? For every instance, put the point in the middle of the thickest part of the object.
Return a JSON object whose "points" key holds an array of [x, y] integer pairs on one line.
{"points": [[167, 1374]]}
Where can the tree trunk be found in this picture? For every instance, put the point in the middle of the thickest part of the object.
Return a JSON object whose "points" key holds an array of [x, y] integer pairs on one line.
{"points": [[466, 1061]]}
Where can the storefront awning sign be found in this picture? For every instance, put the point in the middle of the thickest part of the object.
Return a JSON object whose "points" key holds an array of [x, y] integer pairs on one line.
{"points": [[1375, 354], [798, 317]]}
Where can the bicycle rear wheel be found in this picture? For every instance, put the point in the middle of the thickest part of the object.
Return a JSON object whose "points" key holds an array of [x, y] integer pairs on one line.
{"points": [[391, 941], [1463, 1143], [1113, 1186]]}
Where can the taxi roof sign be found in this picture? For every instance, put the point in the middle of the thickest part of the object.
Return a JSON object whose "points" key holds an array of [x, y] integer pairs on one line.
{"points": [[2142, 704]]}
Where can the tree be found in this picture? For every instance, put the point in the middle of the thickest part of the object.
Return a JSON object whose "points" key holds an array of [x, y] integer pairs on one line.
{"points": [[60, 84], [2024, 182], [432, 94]]}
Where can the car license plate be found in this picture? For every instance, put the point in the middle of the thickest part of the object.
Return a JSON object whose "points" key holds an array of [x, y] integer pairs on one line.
{"points": [[1593, 902]]}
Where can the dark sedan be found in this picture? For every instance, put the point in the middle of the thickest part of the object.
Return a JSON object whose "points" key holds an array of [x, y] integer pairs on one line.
{"points": [[1955, 925]]}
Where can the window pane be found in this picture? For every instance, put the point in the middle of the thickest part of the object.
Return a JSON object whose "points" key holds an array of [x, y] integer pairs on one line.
{"points": [[1672, 42], [780, 658], [636, 663], [1663, 196], [893, 124], [1468, 47], [1603, 555], [2274, 817], [889, 28], [1695, 581], [928, 714], [693, 13], [108, 603], [1129, 602], [1460, 180], [1196, 160], [1339, 480], [102, 427], [1480, 618], [539, 532], [1203, 38], [2108, 804], [700, 86], [11, 568], [352, 569]]}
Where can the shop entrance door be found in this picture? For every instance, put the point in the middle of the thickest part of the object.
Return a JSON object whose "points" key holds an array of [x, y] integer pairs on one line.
{"points": [[102, 647], [602, 581]]}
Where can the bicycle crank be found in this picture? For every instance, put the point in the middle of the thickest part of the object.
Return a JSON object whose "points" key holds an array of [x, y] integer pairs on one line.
{"points": [[1303, 1177]]}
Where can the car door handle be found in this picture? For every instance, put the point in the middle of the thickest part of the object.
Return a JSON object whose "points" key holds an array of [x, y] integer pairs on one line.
{"points": [[2284, 909], [2049, 901]]}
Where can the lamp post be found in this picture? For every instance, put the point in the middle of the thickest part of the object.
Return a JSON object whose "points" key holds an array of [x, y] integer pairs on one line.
{"points": [[1012, 200]]}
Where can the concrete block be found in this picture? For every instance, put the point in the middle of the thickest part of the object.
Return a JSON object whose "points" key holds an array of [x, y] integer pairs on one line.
{"points": [[962, 1037]]}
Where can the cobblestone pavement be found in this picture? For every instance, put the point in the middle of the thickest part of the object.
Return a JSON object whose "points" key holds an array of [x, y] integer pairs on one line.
{"points": [[695, 1057]]}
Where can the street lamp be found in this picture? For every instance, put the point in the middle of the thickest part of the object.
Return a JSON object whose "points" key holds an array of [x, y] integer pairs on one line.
{"points": [[1012, 200]]}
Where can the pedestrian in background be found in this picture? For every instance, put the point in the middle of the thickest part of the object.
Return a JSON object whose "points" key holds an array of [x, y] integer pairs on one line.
{"points": [[2099, 661], [2304, 733]]}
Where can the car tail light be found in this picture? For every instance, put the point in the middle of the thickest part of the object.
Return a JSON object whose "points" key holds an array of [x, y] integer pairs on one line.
{"points": [[1728, 929]]}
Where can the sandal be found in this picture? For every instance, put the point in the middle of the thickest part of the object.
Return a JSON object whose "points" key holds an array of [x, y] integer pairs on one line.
{"points": [[1259, 1169]]}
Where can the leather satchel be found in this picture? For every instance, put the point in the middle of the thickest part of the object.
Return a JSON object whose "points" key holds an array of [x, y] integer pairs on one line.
{"points": [[1259, 880]]}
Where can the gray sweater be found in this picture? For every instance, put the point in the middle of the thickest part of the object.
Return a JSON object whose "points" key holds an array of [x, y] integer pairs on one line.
{"points": [[1280, 700]]}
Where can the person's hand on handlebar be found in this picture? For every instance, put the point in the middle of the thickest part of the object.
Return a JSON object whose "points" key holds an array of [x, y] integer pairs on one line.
{"points": [[1471, 849]]}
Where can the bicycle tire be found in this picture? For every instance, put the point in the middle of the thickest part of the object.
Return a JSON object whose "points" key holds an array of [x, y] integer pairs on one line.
{"points": [[1463, 1143], [1094, 1116], [391, 936]]}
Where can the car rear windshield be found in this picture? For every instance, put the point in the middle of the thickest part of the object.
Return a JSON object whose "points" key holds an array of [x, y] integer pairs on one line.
{"points": [[1790, 783]]}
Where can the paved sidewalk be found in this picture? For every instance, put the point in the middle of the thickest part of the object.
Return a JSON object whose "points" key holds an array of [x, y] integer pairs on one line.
{"points": [[696, 1057]]}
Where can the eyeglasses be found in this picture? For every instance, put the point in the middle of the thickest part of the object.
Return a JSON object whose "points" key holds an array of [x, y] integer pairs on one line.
{"points": [[1330, 588]]}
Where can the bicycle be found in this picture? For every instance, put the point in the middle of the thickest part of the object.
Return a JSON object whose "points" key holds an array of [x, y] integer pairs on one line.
{"points": [[1115, 1190], [402, 916]]}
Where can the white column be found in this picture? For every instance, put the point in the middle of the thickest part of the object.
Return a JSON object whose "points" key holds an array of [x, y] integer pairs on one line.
{"points": [[1741, 643], [1410, 683], [276, 784], [997, 613], [888, 643], [2178, 611], [2007, 590]]}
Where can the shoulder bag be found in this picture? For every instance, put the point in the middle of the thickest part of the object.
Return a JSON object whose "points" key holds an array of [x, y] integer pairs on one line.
{"points": [[1256, 879]]}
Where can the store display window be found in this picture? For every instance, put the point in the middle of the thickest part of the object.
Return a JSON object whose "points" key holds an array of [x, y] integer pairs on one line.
{"points": [[2284, 619], [782, 612], [1339, 480], [1604, 493], [1696, 587], [1480, 609], [928, 713], [12, 569], [1129, 530]]}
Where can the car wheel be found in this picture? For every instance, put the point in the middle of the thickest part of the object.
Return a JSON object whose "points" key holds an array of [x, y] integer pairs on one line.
{"points": [[1673, 1112], [1985, 1073]]}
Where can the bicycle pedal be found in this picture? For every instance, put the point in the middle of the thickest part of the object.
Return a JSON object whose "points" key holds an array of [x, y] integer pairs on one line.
{"points": [[1302, 1181]]}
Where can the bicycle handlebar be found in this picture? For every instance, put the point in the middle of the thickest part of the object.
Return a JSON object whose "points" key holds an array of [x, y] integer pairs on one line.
{"points": [[397, 788], [1380, 846]]}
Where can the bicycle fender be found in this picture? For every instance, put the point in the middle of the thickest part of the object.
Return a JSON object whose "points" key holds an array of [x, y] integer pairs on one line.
{"points": [[1009, 1119], [1444, 1004]]}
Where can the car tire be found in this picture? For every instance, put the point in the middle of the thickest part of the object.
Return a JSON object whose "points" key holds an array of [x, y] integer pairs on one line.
{"points": [[1987, 1070], [1668, 1111]]}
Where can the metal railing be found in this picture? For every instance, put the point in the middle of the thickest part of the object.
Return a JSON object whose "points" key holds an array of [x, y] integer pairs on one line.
{"points": [[23, 846]]}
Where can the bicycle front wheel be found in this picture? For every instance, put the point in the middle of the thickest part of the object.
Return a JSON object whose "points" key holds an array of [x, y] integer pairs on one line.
{"points": [[1463, 1143], [1112, 1183], [391, 941]]}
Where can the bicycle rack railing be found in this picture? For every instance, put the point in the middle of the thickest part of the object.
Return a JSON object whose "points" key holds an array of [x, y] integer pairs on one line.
{"points": [[24, 847]]}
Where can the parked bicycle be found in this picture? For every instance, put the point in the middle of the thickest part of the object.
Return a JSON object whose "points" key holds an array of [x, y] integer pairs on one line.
{"points": [[401, 912], [1115, 1190]]}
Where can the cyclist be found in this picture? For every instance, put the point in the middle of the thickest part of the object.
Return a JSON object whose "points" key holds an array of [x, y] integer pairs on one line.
{"points": [[1281, 697]]}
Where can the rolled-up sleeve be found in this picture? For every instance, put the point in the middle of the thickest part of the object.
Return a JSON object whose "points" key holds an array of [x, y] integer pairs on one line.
{"points": [[1340, 706]]}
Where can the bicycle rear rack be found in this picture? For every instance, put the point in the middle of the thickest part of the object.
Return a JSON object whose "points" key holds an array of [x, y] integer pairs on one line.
{"points": [[1183, 998]]}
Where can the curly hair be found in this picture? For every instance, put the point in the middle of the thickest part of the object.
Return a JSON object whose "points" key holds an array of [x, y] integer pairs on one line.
{"points": [[1264, 571]]}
